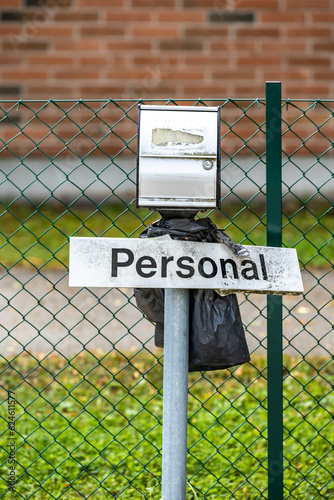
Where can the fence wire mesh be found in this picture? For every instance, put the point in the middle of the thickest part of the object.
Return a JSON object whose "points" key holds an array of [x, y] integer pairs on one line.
{"points": [[81, 380]]}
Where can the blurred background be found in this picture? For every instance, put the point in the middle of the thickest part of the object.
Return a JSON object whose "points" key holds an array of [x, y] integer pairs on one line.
{"points": [[165, 48], [126, 50], [72, 75]]}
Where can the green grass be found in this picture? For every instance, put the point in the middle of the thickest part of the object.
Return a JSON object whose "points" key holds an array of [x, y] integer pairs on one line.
{"points": [[90, 427], [39, 237]]}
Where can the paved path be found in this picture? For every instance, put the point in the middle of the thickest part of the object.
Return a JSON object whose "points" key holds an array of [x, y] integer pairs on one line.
{"points": [[68, 179], [40, 313]]}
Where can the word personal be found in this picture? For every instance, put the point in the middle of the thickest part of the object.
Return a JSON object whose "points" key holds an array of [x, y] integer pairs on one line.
{"points": [[166, 263], [185, 266]]}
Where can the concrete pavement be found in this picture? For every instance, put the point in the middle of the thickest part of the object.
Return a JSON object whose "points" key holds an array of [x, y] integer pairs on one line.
{"points": [[42, 314]]}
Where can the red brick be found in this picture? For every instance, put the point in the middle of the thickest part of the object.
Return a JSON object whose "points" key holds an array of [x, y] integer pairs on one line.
{"points": [[149, 59], [234, 74], [128, 16], [101, 91], [100, 3], [309, 5], [205, 60], [308, 61], [49, 91], [22, 75], [74, 74], [156, 4], [26, 45], [181, 16], [235, 45], [117, 59], [281, 17], [205, 31], [76, 45], [94, 60], [326, 17], [244, 45], [258, 32], [105, 30], [204, 4], [78, 15], [9, 29], [308, 32], [129, 46], [135, 90], [202, 91], [186, 75], [49, 59], [272, 74], [323, 75], [9, 90], [121, 73], [324, 46], [258, 4], [54, 31], [148, 78], [258, 60], [10, 3], [139, 30], [10, 59], [253, 89], [307, 91], [238, 4], [181, 45], [283, 46]]}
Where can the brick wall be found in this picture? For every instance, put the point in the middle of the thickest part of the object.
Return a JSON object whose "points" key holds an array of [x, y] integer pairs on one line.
{"points": [[165, 48]]}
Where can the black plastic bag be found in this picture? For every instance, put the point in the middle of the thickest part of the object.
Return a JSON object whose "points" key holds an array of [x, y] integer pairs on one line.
{"points": [[192, 230], [151, 301], [216, 334], [217, 338]]}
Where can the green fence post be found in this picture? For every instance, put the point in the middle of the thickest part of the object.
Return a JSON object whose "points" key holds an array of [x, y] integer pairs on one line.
{"points": [[274, 302]]}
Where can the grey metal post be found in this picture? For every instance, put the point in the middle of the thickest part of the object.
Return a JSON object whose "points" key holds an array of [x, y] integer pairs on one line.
{"points": [[175, 394]]}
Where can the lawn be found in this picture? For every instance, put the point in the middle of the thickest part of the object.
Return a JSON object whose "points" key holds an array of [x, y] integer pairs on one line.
{"points": [[38, 237], [90, 427]]}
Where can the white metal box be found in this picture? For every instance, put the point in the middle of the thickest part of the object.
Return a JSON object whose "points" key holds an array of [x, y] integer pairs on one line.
{"points": [[178, 157]]}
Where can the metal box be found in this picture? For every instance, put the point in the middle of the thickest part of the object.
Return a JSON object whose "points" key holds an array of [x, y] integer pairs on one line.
{"points": [[178, 157]]}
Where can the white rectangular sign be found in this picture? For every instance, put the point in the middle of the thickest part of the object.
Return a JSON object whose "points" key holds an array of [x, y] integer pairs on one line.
{"points": [[166, 263]]}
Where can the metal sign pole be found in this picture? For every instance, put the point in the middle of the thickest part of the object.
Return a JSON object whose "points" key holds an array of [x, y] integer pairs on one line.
{"points": [[175, 394]]}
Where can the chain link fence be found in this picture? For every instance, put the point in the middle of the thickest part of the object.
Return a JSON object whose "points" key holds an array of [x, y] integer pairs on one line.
{"points": [[81, 381]]}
